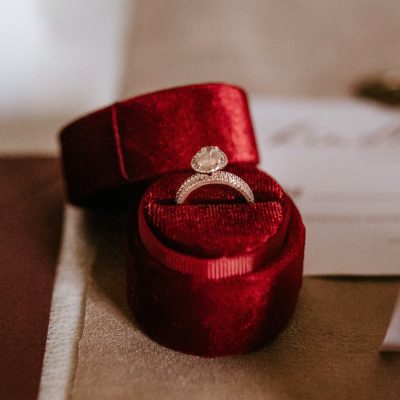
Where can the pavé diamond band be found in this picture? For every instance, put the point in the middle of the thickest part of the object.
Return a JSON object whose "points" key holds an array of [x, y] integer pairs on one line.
{"points": [[208, 163]]}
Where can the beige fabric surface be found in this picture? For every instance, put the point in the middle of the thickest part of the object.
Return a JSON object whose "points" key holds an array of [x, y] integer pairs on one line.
{"points": [[330, 349], [299, 47]]}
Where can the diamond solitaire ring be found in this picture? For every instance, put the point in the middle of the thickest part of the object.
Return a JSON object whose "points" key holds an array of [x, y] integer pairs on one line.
{"points": [[208, 163]]}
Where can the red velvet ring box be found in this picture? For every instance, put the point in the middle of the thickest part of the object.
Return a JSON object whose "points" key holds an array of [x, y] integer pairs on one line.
{"points": [[214, 276]]}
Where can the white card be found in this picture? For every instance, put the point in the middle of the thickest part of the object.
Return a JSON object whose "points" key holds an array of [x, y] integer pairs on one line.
{"points": [[392, 337], [340, 161]]}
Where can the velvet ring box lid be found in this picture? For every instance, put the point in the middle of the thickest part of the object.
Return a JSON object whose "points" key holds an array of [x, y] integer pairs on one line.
{"points": [[214, 276]]}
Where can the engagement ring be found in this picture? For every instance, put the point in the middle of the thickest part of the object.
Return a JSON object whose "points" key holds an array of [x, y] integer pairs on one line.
{"points": [[208, 163]]}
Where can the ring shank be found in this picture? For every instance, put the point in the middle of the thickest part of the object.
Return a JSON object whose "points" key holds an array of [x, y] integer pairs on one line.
{"points": [[216, 178]]}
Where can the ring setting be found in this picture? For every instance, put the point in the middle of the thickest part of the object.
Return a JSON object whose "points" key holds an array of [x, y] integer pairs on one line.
{"points": [[208, 163]]}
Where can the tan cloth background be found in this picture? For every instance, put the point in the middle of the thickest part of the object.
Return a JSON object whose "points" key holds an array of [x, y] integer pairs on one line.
{"points": [[330, 350], [287, 47]]}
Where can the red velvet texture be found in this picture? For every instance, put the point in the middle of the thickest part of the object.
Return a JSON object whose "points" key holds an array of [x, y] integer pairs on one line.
{"points": [[146, 136], [212, 277], [203, 314]]}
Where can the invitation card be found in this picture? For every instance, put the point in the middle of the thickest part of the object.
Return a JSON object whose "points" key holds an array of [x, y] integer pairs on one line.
{"points": [[340, 161]]}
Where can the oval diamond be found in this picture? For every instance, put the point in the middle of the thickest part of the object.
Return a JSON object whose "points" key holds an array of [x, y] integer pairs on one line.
{"points": [[209, 159]]}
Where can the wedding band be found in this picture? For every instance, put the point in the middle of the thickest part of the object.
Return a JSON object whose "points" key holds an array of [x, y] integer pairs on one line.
{"points": [[208, 163]]}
